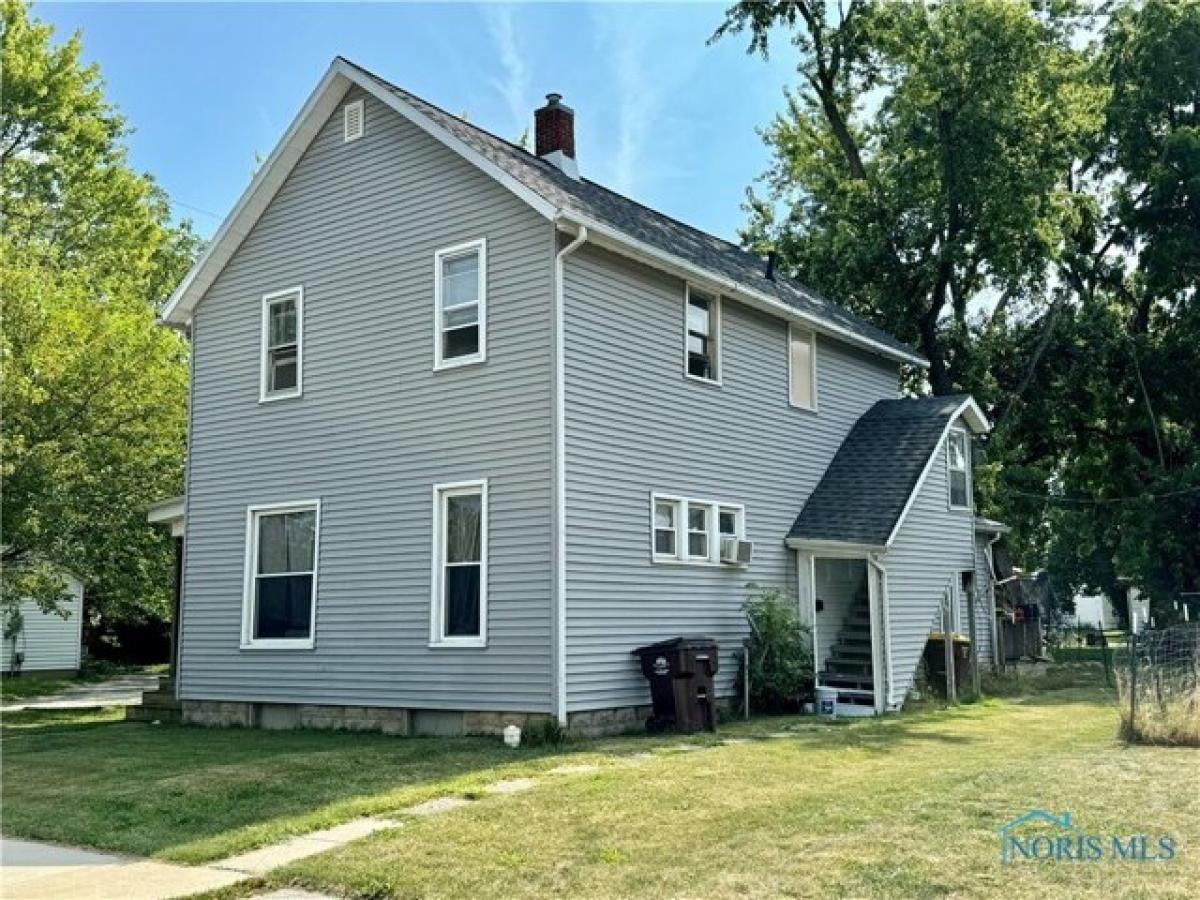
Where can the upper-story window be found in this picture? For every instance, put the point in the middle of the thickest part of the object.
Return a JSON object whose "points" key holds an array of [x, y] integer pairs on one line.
{"points": [[460, 305], [802, 367], [702, 335], [282, 345], [958, 463]]}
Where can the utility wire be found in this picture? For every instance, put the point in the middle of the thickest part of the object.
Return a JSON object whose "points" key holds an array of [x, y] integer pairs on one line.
{"points": [[1099, 501]]}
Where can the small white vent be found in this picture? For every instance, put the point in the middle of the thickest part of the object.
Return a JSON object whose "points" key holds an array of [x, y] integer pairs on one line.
{"points": [[353, 120]]}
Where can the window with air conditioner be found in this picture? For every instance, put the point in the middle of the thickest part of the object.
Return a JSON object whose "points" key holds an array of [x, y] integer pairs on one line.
{"points": [[691, 531]]}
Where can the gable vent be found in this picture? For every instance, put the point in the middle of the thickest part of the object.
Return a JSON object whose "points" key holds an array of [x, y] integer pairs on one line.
{"points": [[353, 121]]}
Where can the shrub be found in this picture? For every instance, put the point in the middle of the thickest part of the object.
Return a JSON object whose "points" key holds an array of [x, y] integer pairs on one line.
{"points": [[780, 650]]}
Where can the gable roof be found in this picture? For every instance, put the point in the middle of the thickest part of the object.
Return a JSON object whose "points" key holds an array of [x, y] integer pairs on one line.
{"points": [[611, 219], [868, 488]]}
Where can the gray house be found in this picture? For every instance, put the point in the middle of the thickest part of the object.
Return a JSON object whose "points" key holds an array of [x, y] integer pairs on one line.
{"points": [[466, 428]]}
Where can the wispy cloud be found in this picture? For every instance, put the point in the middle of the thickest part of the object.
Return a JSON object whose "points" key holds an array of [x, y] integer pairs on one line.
{"points": [[514, 85], [646, 73]]}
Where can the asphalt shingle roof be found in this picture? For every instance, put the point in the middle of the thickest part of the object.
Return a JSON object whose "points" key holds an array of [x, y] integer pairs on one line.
{"points": [[640, 222], [864, 490]]}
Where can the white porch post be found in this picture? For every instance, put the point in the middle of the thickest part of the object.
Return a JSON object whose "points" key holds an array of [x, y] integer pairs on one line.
{"points": [[806, 598], [875, 600]]}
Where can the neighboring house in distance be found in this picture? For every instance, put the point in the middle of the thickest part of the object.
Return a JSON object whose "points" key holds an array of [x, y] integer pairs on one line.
{"points": [[467, 428], [47, 642]]}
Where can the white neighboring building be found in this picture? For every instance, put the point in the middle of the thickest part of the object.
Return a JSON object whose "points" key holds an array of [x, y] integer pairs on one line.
{"points": [[48, 642], [1097, 611]]}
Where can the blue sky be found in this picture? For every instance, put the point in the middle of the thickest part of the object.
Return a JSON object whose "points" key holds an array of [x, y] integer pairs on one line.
{"points": [[659, 116]]}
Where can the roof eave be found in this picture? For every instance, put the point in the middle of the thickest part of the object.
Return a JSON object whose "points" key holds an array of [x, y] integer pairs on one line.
{"points": [[619, 241], [818, 545]]}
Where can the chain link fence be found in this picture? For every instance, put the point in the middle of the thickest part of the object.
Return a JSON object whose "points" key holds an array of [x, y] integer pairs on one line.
{"points": [[1160, 686]]}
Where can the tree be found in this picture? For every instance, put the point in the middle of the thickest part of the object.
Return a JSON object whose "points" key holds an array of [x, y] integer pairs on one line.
{"points": [[921, 167], [1018, 199], [94, 391]]}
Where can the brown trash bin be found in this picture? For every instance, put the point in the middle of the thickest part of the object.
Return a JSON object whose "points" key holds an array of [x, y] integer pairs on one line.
{"points": [[680, 672], [935, 660]]}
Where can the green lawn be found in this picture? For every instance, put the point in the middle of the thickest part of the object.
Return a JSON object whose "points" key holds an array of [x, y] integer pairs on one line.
{"points": [[905, 806]]}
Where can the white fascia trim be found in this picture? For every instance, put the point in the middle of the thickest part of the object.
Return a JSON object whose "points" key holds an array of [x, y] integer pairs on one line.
{"points": [[254, 200], [436, 131], [968, 410], [249, 642], [709, 280], [839, 549], [560, 481], [320, 105]]}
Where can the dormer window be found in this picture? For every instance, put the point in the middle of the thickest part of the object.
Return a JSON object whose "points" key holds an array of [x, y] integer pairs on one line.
{"points": [[282, 345], [958, 464], [352, 121]]}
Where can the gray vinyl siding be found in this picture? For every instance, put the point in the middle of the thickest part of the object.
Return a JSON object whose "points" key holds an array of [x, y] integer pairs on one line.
{"points": [[933, 546], [48, 640], [357, 224], [636, 425]]}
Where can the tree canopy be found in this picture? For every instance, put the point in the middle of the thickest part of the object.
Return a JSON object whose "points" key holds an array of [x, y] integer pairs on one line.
{"points": [[1013, 187], [94, 391]]}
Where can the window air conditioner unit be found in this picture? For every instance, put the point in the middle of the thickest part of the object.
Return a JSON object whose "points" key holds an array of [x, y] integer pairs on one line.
{"points": [[736, 552]]}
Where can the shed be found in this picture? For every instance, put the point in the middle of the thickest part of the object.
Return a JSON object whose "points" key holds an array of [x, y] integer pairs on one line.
{"points": [[47, 642]]}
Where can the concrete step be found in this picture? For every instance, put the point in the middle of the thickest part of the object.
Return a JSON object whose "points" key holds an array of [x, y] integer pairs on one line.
{"points": [[153, 714]]}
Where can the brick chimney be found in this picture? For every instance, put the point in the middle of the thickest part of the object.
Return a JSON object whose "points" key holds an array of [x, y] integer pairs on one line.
{"points": [[554, 134]]}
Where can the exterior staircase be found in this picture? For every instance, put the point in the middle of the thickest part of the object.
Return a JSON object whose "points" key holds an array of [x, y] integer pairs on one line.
{"points": [[158, 705], [848, 666]]}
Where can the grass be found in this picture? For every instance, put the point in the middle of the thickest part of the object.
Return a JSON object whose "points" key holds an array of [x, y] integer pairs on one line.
{"points": [[1169, 715], [32, 684], [903, 806]]}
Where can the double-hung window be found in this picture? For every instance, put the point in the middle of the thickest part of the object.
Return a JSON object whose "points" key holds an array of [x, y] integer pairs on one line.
{"points": [[282, 344], [691, 531], [460, 305], [280, 603], [460, 564], [702, 336], [802, 368], [958, 464]]}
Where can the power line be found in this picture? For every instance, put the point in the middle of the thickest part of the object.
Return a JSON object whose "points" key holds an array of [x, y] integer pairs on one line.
{"points": [[1100, 501]]}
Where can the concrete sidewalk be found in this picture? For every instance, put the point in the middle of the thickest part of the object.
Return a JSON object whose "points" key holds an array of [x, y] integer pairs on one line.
{"points": [[31, 870], [123, 691]]}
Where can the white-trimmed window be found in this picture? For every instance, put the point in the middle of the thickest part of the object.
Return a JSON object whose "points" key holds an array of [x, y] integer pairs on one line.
{"points": [[702, 336], [958, 466], [460, 305], [460, 513], [279, 607], [353, 121], [282, 373], [802, 368], [689, 531]]}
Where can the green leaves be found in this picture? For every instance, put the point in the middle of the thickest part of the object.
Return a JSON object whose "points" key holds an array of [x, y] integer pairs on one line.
{"points": [[94, 391]]}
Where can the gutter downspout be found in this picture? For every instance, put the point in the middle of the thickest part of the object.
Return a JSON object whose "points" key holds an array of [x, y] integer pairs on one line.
{"points": [[884, 612], [560, 482]]}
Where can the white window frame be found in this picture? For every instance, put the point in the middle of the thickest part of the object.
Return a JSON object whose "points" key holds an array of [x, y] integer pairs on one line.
{"points": [[966, 438], [437, 636], [792, 333], [479, 247], [716, 339], [253, 514], [681, 556], [264, 394], [347, 111]]}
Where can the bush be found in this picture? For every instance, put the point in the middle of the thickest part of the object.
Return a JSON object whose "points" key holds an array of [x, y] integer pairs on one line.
{"points": [[780, 649]]}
